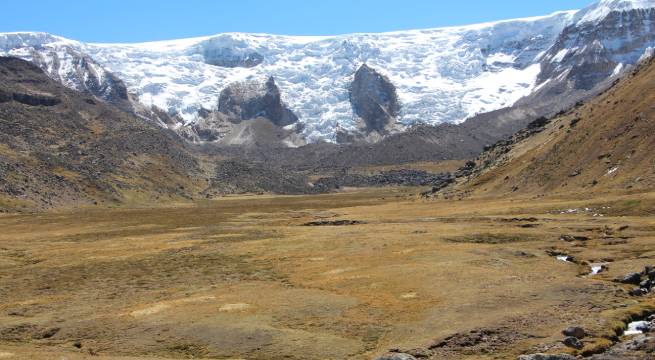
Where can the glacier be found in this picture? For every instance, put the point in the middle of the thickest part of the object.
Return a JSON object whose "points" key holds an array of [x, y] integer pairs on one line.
{"points": [[442, 75]]}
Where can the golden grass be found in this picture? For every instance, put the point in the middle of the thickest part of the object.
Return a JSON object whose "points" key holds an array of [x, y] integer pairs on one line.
{"points": [[240, 277]]}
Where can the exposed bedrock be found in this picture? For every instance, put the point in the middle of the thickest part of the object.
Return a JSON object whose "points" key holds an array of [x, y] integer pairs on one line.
{"points": [[253, 99], [374, 99]]}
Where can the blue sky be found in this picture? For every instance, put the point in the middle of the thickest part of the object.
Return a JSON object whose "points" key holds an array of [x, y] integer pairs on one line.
{"points": [[144, 20]]}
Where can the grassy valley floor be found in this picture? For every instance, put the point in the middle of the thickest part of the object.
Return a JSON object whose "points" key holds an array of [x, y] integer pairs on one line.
{"points": [[272, 277]]}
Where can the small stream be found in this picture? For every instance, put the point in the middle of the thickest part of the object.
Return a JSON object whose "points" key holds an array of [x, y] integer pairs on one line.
{"points": [[637, 328], [597, 269]]}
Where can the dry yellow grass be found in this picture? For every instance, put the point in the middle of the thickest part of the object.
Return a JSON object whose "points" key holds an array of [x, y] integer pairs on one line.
{"points": [[242, 277]]}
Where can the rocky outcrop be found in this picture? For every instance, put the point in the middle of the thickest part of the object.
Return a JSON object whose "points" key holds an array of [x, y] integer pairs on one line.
{"points": [[253, 99], [402, 177], [546, 357], [374, 99], [396, 356], [78, 71], [251, 114], [235, 177], [30, 99], [575, 331], [631, 278]]}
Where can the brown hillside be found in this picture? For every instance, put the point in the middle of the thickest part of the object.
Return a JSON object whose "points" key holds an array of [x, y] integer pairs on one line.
{"points": [[606, 144], [60, 148]]}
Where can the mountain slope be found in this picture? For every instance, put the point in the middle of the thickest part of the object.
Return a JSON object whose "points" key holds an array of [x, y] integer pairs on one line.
{"points": [[60, 148], [603, 145]]}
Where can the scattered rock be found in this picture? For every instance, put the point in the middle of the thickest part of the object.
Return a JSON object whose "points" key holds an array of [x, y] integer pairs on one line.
{"points": [[561, 255], [571, 238], [638, 292], [396, 356], [47, 334], [403, 177], [334, 223], [631, 278], [546, 357], [478, 341], [649, 271], [524, 254], [528, 219], [575, 331], [419, 353]]}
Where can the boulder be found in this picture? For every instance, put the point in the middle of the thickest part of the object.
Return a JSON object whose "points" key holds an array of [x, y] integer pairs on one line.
{"points": [[575, 331], [631, 278], [638, 292], [571, 238], [573, 342], [373, 98]]}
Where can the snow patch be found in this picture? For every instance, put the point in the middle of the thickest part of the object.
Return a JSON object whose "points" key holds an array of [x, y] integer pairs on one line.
{"points": [[636, 328], [560, 55]]}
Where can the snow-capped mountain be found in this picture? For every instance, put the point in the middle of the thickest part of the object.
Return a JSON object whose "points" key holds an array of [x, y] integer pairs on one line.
{"points": [[443, 75], [603, 40], [64, 61]]}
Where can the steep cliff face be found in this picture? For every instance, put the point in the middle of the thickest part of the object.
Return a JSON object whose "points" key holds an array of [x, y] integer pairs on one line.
{"points": [[374, 99], [252, 99], [81, 73], [249, 113]]}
